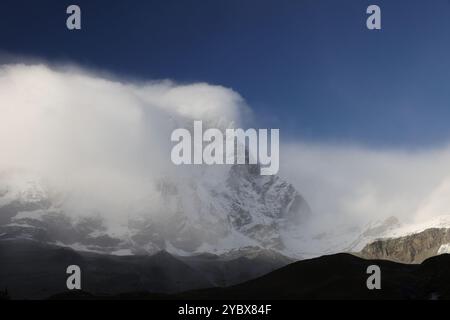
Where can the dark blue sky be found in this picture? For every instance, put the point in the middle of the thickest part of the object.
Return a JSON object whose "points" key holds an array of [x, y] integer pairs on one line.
{"points": [[309, 67]]}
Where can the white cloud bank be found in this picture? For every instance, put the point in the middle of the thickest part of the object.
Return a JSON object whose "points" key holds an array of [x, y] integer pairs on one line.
{"points": [[108, 139], [355, 185]]}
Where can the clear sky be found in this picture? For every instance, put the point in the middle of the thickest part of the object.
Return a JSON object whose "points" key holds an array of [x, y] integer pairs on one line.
{"points": [[311, 68]]}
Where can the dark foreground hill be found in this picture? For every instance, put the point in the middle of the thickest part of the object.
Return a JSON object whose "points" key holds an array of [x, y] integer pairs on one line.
{"points": [[33, 270], [340, 276]]}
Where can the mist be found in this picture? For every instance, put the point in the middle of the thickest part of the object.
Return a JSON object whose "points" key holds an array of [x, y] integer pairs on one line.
{"points": [[354, 185], [105, 141]]}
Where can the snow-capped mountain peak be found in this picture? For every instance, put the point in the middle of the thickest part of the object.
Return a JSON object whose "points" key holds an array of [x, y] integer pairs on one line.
{"points": [[185, 215]]}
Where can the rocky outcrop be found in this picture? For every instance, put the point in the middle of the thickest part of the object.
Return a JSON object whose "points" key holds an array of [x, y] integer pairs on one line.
{"points": [[413, 248]]}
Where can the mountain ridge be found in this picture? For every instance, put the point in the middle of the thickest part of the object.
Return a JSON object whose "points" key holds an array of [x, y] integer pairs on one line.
{"points": [[190, 215], [340, 276], [26, 262]]}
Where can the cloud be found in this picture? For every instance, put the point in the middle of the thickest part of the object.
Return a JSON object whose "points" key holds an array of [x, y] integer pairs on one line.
{"points": [[355, 185], [105, 139]]}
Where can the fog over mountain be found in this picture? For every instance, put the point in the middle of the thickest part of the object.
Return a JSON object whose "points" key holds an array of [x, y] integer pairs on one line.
{"points": [[97, 149], [361, 184], [103, 139], [88, 165]]}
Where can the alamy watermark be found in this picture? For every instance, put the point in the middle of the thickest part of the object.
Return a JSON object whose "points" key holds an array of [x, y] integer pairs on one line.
{"points": [[374, 280], [74, 280], [231, 146], [73, 21], [374, 20]]}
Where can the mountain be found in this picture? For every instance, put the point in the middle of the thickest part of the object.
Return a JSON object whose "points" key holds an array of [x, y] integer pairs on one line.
{"points": [[34, 270], [236, 266], [215, 215], [410, 243], [340, 276], [413, 248], [208, 212], [204, 212], [374, 231]]}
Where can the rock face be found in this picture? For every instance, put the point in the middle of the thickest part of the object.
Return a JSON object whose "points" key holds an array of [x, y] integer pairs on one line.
{"points": [[262, 206], [245, 209], [195, 214], [413, 248]]}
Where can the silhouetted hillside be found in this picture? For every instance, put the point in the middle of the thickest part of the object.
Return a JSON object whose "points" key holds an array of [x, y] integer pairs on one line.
{"points": [[340, 276], [32, 270]]}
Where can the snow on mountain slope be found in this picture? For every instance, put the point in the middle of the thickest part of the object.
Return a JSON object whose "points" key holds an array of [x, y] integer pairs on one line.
{"points": [[352, 238], [207, 211], [204, 212], [373, 231], [444, 248], [441, 221], [215, 211], [410, 243], [21, 186], [244, 209], [392, 228]]}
